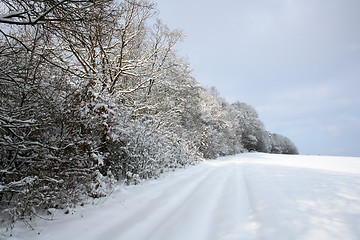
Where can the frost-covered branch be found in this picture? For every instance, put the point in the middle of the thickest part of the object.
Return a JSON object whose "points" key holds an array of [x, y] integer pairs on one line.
{"points": [[38, 12]]}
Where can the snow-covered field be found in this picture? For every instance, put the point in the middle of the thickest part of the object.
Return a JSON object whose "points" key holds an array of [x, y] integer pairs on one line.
{"points": [[248, 196]]}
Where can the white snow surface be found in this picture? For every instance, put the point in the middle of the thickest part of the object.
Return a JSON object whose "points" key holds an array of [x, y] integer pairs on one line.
{"points": [[247, 196]]}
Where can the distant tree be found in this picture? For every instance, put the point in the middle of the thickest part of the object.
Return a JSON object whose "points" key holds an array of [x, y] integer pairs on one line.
{"points": [[250, 128], [282, 145]]}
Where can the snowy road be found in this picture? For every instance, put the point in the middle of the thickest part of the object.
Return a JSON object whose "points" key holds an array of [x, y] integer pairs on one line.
{"points": [[248, 196]]}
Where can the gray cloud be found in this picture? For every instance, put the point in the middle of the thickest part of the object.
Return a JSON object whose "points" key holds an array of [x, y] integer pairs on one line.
{"points": [[297, 62]]}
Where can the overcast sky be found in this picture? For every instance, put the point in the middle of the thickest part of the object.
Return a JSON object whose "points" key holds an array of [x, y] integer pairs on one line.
{"points": [[297, 62]]}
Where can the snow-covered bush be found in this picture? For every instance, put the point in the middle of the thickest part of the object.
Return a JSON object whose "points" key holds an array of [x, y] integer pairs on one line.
{"points": [[133, 147]]}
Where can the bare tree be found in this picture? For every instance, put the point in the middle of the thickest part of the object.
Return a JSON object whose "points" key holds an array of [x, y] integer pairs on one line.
{"points": [[32, 12], [119, 48]]}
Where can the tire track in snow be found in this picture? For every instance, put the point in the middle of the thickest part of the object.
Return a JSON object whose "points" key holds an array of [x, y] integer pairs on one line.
{"points": [[232, 217], [195, 213], [190, 212], [139, 224], [217, 207], [254, 211]]}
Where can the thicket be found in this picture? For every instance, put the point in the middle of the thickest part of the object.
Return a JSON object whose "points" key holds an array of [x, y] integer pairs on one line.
{"points": [[93, 92]]}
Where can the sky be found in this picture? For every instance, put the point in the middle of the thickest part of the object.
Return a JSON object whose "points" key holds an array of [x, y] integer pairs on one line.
{"points": [[297, 62]]}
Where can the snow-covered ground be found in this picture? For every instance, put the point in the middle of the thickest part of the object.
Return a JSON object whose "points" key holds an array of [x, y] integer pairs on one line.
{"points": [[248, 196]]}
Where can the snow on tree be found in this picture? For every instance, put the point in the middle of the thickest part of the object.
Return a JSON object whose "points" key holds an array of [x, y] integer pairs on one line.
{"points": [[93, 92]]}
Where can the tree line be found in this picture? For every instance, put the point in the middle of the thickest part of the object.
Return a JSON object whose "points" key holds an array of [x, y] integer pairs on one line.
{"points": [[93, 92]]}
